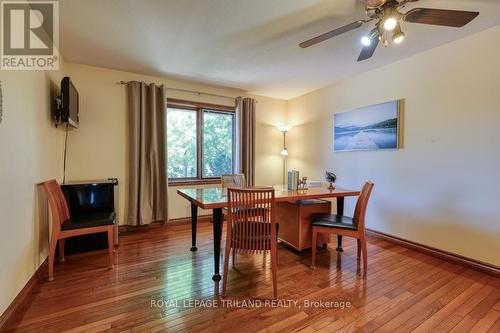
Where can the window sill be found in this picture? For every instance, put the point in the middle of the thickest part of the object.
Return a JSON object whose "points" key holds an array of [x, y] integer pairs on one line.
{"points": [[191, 182]]}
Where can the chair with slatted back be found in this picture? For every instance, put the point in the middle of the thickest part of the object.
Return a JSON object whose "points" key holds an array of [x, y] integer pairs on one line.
{"points": [[345, 226], [251, 230], [63, 226], [233, 180]]}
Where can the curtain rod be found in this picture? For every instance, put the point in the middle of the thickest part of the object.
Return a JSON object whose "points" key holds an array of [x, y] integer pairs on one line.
{"points": [[191, 92]]}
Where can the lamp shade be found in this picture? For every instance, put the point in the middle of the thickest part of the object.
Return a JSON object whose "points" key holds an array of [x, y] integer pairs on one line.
{"points": [[284, 128], [284, 152]]}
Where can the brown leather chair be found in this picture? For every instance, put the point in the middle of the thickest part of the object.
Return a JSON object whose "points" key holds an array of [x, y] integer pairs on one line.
{"points": [[63, 226], [345, 226], [251, 227]]}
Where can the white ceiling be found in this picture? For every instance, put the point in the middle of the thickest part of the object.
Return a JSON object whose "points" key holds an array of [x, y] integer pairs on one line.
{"points": [[251, 45]]}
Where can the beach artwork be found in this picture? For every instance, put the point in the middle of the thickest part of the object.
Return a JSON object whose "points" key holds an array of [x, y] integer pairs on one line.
{"points": [[369, 128]]}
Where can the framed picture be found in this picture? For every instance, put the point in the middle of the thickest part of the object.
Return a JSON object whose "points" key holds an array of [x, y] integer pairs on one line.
{"points": [[369, 128]]}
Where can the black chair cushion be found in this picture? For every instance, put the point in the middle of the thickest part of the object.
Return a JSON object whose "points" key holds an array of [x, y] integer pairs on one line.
{"points": [[309, 202], [88, 221], [334, 221], [265, 231]]}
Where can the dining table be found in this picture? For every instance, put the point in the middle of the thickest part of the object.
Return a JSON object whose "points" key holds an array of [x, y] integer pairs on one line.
{"points": [[215, 198]]}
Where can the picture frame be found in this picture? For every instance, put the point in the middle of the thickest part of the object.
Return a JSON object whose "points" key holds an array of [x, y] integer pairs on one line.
{"points": [[374, 127]]}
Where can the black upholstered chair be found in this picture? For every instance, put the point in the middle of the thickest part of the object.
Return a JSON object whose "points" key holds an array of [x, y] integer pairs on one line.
{"points": [[345, 226], [63, 226]]}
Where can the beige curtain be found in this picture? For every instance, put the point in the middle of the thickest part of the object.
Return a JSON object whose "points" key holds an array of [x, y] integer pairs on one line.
{"points": [[147, 192], [245, 112]]}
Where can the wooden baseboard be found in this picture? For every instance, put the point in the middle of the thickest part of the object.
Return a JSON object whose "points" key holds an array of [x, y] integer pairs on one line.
{"points": [[441, 254], [37, 278]]}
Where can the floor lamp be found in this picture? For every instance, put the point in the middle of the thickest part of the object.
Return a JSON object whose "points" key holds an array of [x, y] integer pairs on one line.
{"points": [[284, 152]]}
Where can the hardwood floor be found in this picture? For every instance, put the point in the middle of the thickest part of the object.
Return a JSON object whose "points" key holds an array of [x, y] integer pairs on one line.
{"points": [[405, 291]]}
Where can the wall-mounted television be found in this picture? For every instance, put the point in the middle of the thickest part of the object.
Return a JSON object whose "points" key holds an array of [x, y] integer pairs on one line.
{"points": [[69, 104]]}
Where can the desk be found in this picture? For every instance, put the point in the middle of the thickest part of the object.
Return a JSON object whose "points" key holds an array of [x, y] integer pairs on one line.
{"points": [[215, 198]]}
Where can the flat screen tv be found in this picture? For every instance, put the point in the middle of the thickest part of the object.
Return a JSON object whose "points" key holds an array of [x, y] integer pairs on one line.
{"points": [[68, 111]]}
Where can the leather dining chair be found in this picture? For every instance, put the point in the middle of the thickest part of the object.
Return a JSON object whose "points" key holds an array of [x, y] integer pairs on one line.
{"points": [[63, 226], [345, 226], [251, 227]]}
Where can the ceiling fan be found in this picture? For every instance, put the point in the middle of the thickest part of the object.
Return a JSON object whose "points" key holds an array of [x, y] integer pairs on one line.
{"points": [[389, 18]]}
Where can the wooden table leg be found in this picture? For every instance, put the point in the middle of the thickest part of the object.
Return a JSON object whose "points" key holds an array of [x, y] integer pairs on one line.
{"points": [[217, 224], [194, 221], [340, 211]]}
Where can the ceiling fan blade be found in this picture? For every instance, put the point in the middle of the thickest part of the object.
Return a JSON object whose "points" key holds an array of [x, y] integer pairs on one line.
{"points": [[444, 17], [368, 51], [331, 34]]}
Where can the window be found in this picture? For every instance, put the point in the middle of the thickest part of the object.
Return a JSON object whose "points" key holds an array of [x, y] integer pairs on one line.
{"points": [[181, 141], [200, 141]]}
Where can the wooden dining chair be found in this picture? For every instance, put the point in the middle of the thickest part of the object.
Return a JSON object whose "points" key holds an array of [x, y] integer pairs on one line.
{"points": [[63, 226], [345, 226], [233, 180], [251, 230]]}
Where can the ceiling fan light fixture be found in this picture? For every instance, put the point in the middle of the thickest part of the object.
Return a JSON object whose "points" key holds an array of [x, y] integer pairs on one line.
{"points": [[366, 41], [390, 23], [398, 35], [390, 19], [398, 38]]}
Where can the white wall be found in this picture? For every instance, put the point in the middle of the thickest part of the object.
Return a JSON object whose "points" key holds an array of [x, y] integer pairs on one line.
{"points": [[30, 152], [443, 188], [97, 148]]}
